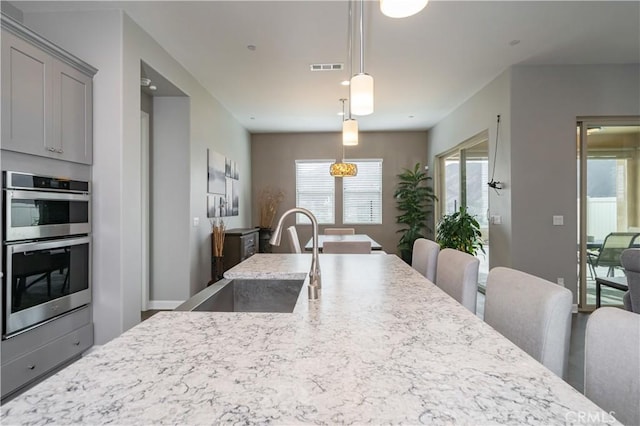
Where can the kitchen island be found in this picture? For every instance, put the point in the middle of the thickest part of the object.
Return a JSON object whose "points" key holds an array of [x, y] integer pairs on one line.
{"points": [[381, 345]]}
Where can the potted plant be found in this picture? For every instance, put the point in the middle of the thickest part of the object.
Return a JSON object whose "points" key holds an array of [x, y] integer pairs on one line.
{"points": [[270, 200], [460, 231], [415, 198]]}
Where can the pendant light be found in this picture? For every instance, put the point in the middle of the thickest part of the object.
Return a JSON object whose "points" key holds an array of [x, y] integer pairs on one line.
{"points": [[361, 86], [401, 8], [341, 168], [350, 125]]}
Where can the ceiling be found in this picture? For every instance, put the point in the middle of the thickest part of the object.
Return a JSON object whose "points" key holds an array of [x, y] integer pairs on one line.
{"points": [[424, 66]]}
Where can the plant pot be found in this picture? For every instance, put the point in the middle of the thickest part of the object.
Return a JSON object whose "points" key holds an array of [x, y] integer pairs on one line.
{"points": [[264, 235], [217, 269]]}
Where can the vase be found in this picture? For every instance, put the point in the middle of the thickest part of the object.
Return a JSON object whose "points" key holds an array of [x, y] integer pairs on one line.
{"points": [[217, 270], [264, 235]]}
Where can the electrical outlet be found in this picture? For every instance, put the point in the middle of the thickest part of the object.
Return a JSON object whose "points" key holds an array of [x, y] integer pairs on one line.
{"points": [[496, 219], [558, 220], [196, 221]]}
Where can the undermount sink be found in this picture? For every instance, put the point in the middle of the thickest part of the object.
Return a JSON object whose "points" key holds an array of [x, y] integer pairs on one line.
{"points": [[244, 295]]}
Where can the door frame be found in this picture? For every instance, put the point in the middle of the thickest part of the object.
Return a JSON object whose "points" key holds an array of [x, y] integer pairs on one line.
{"points": [[145, 210]]}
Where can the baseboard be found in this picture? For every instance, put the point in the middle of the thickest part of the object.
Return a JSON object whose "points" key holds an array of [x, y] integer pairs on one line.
{"points": [[574, 308], [91, 349], [165, 305]]}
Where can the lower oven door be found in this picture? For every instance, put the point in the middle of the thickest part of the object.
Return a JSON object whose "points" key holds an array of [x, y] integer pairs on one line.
{"points": [[45, 279]]}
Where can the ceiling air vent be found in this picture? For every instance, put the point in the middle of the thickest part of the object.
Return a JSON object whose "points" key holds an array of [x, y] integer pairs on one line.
{"points": [[326, 67]]}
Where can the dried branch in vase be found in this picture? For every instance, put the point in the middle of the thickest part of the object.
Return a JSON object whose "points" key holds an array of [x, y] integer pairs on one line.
{"points": [[270, 200], [217, 237]]}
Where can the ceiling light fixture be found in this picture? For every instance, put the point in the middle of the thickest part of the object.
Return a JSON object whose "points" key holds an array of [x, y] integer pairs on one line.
{"points": [[401, 8], [342, 168], [349, 129], [361, 88]]}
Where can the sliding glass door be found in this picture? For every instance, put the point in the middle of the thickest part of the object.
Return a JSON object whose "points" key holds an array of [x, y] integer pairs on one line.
{"points": [[608, 204], [464, 173]]}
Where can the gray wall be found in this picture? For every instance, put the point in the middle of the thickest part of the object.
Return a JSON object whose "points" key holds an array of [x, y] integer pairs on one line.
{"points": [[537, 155], [113, 43], [273, 158]]}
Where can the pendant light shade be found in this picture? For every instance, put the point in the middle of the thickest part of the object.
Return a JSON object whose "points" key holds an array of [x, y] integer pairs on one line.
{"points": [[350, 132], [343, 169], [361, 90], [401, 8]]}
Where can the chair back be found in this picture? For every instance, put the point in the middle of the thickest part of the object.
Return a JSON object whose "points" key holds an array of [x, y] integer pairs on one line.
{"points": [[339, 231], [457, 275], [344, 247], [630, 260], [613, 246], [294, 242], [533, 313], [425, 258], [612, 363]]}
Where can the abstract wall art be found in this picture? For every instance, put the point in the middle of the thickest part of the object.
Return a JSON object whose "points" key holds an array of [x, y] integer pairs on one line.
{"points": [[222, 185]]}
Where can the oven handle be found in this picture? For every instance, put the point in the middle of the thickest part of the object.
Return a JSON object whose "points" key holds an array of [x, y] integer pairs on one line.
{"points": [[41, 195], [46, 245]]}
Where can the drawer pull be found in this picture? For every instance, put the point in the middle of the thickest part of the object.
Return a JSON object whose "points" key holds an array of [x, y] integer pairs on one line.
{"points": [[51, 149], [31, 366], [59, 150], [76, 342]]}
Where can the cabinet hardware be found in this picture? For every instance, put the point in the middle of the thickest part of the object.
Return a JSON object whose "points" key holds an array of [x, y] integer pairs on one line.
{"points": [[31, 366], [76, 342], [59, 150], [51, 149]]}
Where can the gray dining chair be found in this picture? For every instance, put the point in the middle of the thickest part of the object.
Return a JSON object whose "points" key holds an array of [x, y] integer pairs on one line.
{"points": [[457, 275], [294, 241], [630, 260], [612, 363], [345, 247], [339, 231], [425, 258], [533, 313]]}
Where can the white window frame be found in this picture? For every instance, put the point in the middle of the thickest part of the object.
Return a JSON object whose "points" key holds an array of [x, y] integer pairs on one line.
{"points": [[301, 219], [376, 195]]}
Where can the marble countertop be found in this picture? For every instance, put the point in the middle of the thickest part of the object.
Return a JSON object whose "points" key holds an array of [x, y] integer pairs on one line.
{"points": [[381, 345]]}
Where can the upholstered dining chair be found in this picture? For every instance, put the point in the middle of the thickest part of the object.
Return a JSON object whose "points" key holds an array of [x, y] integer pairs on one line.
{"points": [[533, 313], [630, 260], [457, 275], [425, 258], [339, 231], [612, 363], [344, 247], [294, 242]]}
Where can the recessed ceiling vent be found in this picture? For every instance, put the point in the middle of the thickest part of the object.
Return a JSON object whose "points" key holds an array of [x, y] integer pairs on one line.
{"points": [[326, 67]]}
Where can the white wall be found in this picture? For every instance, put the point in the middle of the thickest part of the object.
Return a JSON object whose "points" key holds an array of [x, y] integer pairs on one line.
{"points": [[537, 155], [170, 159], [546, 100], [477, 114], [113, 43]]}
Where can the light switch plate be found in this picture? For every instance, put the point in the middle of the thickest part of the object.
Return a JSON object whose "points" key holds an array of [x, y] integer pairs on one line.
{"points": [[196, 221], [496, 219], [558, 220]]}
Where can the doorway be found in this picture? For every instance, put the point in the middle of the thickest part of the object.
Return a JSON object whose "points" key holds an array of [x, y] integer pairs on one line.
{"points": [[462, 182], [608, 202]]}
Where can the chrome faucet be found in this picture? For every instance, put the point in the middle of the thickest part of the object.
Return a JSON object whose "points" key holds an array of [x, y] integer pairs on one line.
{"points": [[314, 273]]}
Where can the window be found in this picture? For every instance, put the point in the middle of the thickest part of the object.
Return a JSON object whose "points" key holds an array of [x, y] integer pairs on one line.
{"points": [[362, 194], [315, 190]]}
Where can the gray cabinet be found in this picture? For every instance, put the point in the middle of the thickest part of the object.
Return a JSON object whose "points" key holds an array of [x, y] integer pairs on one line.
{"points": [[46, 97]]}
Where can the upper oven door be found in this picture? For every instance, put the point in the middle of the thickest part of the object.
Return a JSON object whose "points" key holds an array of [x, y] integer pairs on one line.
{"points": [[39, 214]]}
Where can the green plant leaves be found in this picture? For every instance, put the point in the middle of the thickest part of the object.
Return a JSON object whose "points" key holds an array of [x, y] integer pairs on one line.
{"points": [[414, 197], [460, 231]]}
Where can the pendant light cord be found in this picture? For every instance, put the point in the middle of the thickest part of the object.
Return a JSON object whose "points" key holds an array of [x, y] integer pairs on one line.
{"points": [[361, 37], [493, 184], [350, 48]]}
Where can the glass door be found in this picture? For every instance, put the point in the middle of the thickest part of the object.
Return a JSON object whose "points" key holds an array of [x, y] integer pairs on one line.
{"points": [[463, 182], [609, 203]]}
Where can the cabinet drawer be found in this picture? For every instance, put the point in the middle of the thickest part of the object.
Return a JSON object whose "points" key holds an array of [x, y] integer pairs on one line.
{"points": [[39, 362]]}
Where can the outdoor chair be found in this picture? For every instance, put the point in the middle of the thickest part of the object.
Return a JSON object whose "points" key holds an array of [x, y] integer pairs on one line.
{"points": [[609, 254]]}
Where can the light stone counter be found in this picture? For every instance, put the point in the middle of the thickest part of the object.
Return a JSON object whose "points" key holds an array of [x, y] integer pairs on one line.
{"points": [[382, 345]]}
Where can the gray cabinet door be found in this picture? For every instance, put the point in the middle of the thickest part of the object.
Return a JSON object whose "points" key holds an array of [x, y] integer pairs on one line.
{"points": [[26, 96], [72, 114]]}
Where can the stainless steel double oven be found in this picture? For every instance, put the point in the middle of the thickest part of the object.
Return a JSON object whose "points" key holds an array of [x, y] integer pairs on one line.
{"points": [[46, 249]]}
